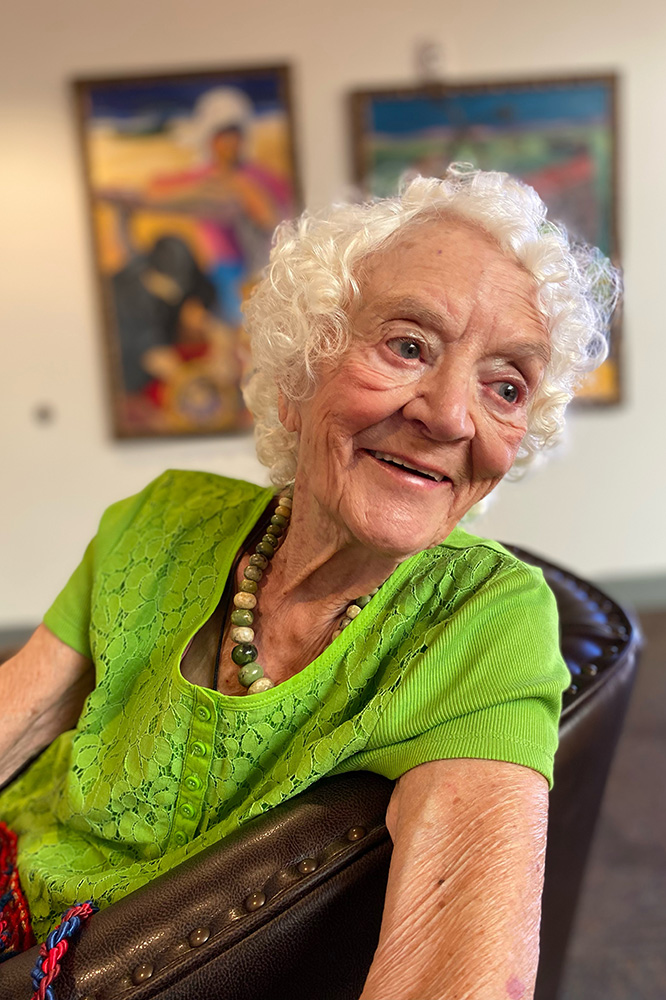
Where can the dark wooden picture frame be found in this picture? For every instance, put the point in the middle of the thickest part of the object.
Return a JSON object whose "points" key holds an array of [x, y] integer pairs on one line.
{"points": [[559, 134], [187, 176]]}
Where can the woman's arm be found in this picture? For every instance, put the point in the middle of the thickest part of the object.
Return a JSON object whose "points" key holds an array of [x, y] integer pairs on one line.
{"points": [[42, 690], [463, 902]]}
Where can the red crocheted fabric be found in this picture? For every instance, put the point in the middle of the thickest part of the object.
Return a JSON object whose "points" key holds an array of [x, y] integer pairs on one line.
{"points": [[15, 930]]}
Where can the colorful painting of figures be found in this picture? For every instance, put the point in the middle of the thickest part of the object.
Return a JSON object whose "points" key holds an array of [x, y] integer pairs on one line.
{"points": [[188, 176], [557, 135]]}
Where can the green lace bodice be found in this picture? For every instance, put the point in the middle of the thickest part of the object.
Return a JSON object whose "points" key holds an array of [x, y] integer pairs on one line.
{"points": [[457, 655]]}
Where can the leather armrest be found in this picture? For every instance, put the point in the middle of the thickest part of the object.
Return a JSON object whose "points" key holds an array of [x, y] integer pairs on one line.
{"points": [[248, 916]]}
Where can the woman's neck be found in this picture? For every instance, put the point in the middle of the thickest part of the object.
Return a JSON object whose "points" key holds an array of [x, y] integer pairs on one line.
{"points": [[321, 564], [315, 574]]}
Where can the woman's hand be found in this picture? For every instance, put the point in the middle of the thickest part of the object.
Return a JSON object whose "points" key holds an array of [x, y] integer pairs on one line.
{"points": [[463, 902], [42, 690]]}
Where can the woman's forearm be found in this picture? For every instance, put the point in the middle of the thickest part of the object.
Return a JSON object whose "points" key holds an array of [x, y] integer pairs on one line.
{"points": [[463, 901], [42, 690]]}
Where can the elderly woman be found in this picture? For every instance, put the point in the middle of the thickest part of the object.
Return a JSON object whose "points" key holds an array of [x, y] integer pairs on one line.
{"points": [[237, 643]]}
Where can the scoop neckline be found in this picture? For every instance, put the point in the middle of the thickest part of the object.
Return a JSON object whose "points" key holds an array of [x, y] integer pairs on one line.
{"points": [[321, 663], [326, 660]]}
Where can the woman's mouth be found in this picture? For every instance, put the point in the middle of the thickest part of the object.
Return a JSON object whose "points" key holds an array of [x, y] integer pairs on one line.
{"points": [[406, 467]]}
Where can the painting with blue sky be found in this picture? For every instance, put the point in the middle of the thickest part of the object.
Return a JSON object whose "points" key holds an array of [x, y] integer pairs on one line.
{"points": [[557, 135]]}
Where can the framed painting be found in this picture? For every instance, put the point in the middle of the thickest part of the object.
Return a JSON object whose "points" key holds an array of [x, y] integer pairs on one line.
{"points": [[559, 135], [187, 174]]}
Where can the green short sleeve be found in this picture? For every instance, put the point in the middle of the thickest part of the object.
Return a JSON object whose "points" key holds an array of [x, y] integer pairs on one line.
{"points": [[487, 684], [69, 615]]}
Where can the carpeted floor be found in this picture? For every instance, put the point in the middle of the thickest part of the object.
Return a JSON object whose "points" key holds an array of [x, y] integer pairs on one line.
{"points": [[618, 949]]}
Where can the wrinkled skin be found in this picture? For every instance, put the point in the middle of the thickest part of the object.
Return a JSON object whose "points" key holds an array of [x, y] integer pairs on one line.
{"points": [[461, 918], [469, 312]]}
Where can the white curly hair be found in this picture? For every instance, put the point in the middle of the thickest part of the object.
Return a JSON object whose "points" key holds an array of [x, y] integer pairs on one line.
{"points": [[298, 314]]}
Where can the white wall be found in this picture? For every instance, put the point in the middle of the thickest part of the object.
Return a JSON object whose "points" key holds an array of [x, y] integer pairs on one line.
{"points": [[584, 509]]}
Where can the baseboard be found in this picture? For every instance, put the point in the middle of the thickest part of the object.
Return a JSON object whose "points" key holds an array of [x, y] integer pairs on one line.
{"points": [[14, 638], [643, 593]]}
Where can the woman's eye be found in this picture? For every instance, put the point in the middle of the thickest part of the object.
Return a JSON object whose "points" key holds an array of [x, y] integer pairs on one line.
{"points": [[406, 348], [508, 391]]}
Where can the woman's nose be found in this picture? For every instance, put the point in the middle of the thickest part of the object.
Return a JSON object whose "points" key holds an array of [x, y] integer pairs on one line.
{"points": [[442, 406]]}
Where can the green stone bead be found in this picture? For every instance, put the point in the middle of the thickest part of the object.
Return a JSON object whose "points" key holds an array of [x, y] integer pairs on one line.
{"points": [[250, 673], [241, 617], [271, 539], [274, 529], [244, 653], [265, 549], [249, 586], [363, 602], [253, 573], [279, 521], [283, 511], [258, 560]]}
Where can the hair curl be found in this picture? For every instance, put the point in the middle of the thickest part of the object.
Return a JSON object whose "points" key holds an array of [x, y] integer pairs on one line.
{"points": [[298, 313]]}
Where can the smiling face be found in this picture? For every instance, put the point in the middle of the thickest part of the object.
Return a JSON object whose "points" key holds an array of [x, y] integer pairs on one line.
{"points": [[424, 414]]}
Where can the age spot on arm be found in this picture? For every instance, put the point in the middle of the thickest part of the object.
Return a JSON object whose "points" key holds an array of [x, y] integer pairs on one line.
{"points": [[515, 988]]}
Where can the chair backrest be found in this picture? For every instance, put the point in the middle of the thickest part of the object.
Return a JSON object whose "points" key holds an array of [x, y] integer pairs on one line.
{"points": [[290, 905], [600, 642]]}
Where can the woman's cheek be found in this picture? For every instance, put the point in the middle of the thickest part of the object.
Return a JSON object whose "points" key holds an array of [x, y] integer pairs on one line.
{"points": [[496, 453], [379, 376]]}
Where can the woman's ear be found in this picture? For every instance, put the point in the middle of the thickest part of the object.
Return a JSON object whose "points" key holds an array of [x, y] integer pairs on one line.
{"points": [[288, 413]]}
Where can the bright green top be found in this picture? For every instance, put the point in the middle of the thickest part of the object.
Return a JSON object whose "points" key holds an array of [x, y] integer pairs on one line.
{"points": [[456, 656]]}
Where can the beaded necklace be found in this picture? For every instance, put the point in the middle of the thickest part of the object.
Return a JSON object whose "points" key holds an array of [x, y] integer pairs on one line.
{"points": [[244, 654]]}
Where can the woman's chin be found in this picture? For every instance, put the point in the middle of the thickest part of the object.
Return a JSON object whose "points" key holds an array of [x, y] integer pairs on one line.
{"points": [[392, 540]]}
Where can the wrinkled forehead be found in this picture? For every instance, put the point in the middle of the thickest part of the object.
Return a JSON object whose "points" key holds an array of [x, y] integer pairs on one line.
{"points": [[429, 240], [443, 226], [441, 267]]}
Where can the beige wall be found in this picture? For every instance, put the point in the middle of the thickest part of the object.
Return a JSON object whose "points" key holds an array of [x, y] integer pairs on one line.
{"points": [[584, 509]]}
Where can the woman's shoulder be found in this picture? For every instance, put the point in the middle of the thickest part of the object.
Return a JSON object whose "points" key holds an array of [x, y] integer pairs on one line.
{"points": [[462, 540], [468, 571], [179, 497], [191, 487], [472, 560]]}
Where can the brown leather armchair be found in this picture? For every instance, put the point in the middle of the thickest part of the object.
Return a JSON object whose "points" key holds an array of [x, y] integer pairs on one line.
{"points": [[289, 907]]}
